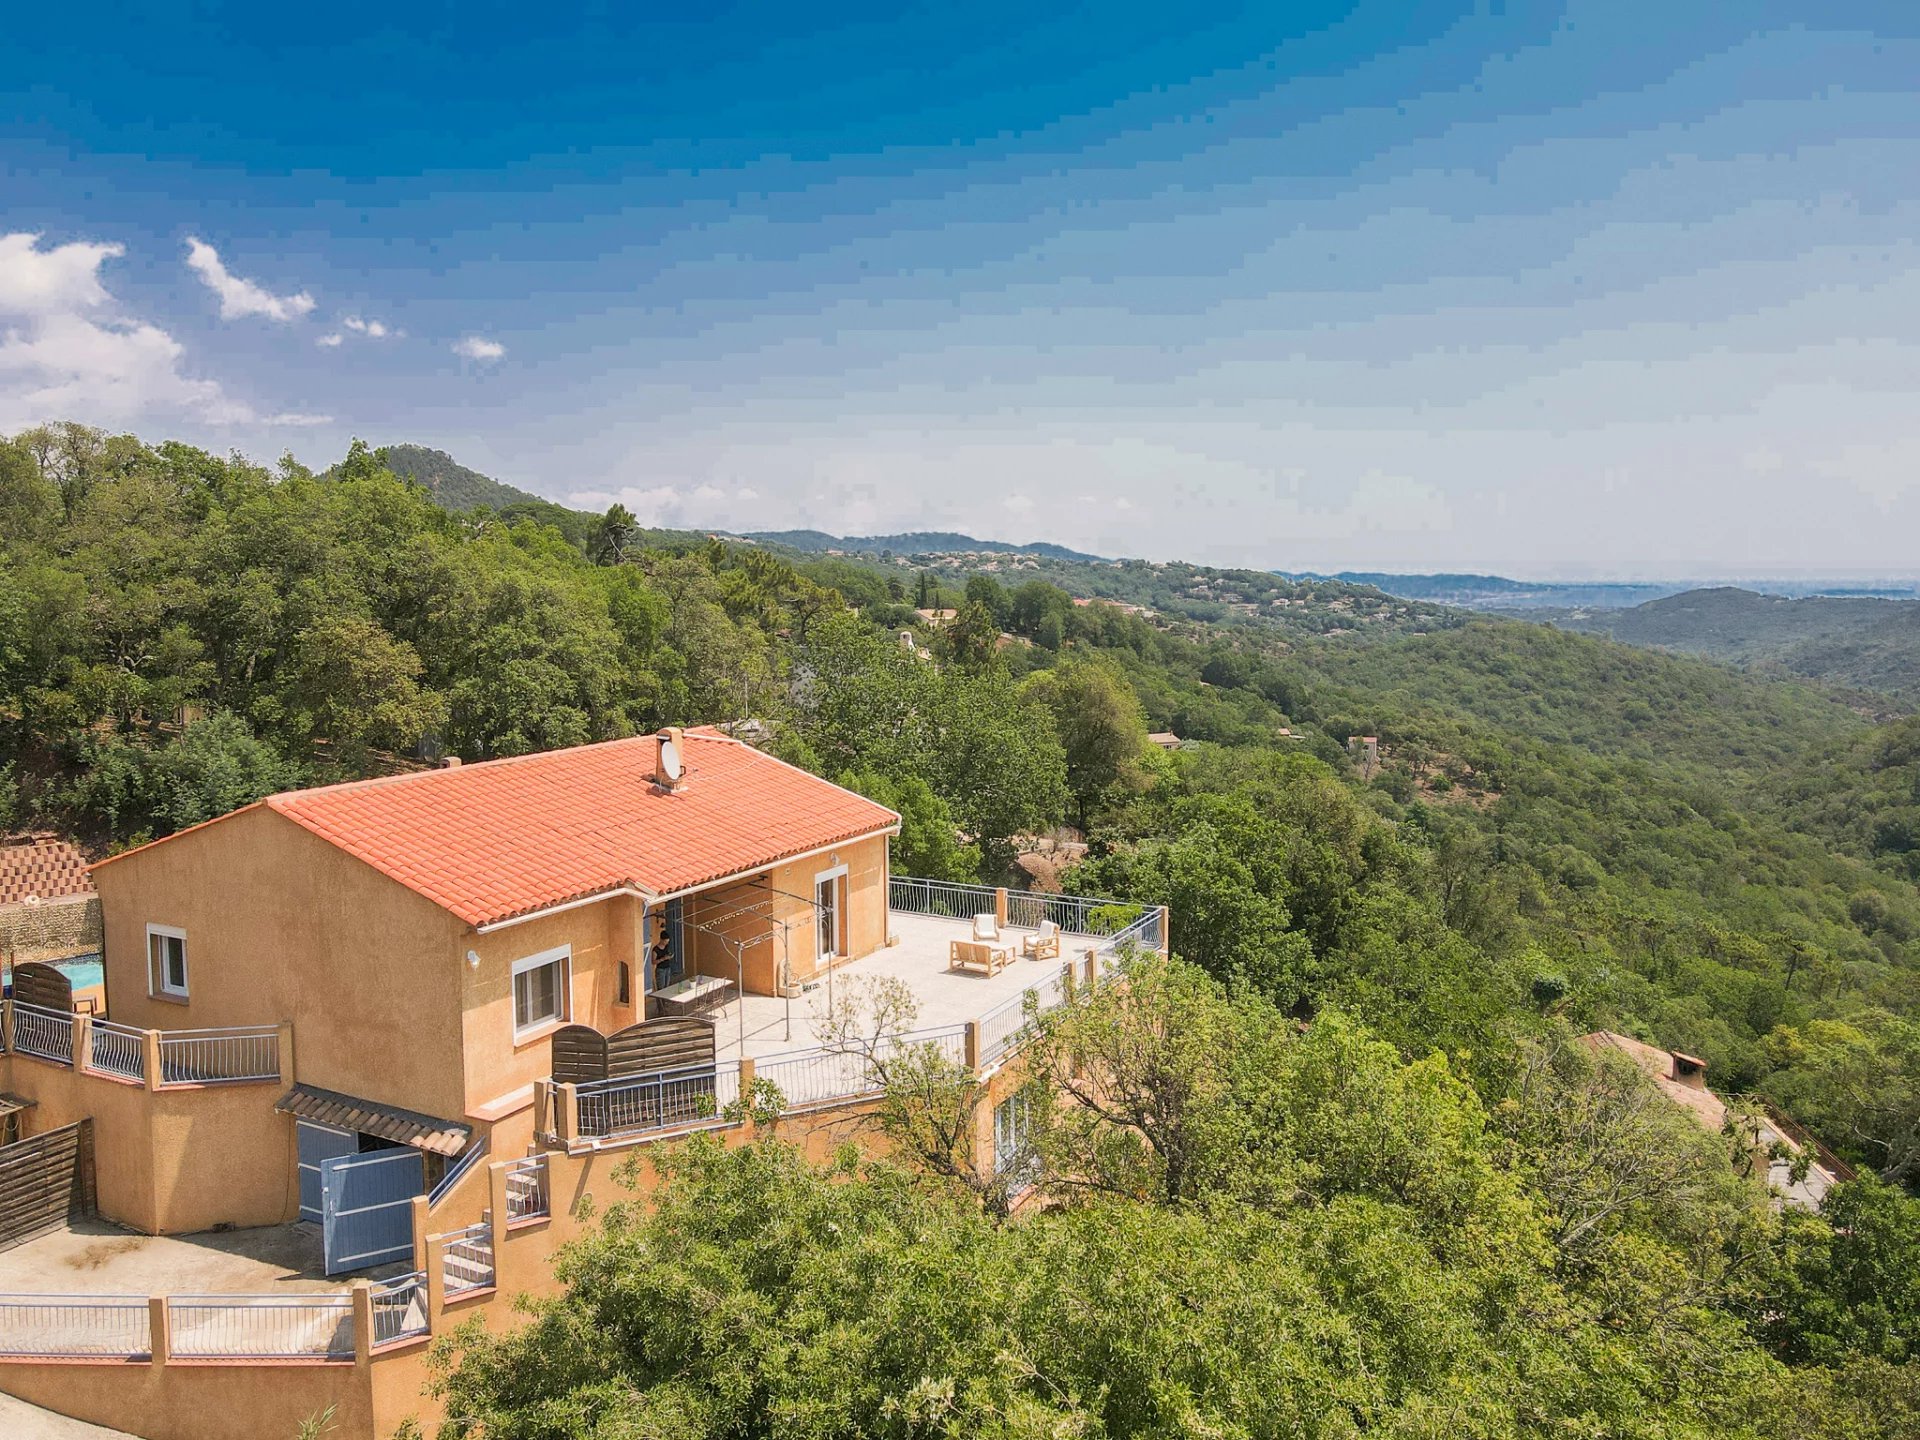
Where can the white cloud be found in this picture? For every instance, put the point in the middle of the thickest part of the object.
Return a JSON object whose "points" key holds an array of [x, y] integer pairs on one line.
{"points": [[699, 506], [240, 298], [48, 282], [67, 352], [330, 341], [473, 347], [372, 329]]}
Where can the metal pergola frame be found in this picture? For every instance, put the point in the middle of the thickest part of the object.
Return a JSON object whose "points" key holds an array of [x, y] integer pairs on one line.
{"points": [[717, 927]]}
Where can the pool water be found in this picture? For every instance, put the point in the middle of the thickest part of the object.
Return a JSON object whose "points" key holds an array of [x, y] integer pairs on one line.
{"points": [[81, 971]]}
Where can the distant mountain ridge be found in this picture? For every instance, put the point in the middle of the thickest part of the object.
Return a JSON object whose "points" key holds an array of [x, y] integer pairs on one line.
{"points": [[914, 542], [1855, 642], [1497, 592]]}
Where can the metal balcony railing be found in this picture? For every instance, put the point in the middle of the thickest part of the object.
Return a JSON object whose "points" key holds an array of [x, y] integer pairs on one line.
{"points": [[466, 1258], [261, 1327], [118, 1050], [399, 1308], [528, 1197], [660, 1101], [75, 1327], [222, 1056], [42, 1032]]}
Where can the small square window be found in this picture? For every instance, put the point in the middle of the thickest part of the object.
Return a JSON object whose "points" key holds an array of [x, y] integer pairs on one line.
{"points": [[540, 990], [166, 961]]}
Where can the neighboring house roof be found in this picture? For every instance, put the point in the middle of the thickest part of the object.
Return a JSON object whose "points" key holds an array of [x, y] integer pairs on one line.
{"points": [[41, 870], [506, 838], [1657, 1065]]}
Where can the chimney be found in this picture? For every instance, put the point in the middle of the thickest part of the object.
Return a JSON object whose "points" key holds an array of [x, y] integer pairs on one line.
{"points": [[450, 762], [1689, 1070], [670, 759]]}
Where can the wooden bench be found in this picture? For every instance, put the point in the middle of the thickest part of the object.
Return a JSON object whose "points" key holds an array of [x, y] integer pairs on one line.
{"points": [[978, 955]]}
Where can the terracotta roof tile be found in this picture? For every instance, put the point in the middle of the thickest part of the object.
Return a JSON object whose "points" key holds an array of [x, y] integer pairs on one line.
{"points": [[501, 839]]}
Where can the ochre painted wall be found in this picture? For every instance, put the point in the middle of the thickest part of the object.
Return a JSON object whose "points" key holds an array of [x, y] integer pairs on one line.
{"points": [[201, 1401], [283, 926], [600, 935], [175, 1160]]}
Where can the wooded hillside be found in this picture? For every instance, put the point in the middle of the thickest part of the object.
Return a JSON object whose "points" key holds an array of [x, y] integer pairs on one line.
{"points": [[1553, 833]]}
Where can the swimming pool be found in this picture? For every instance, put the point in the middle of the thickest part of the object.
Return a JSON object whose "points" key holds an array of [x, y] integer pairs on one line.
{"points": [[81, 971]]}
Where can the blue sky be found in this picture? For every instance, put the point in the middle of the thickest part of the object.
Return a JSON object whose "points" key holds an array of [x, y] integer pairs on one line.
{"points": [[1611, 288]]}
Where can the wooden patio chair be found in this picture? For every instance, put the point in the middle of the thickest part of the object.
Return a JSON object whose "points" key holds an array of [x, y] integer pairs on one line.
{"points": [[1044, 945]]}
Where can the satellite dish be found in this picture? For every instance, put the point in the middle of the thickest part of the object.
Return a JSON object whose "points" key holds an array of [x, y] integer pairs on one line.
{"points": [[670, 760]]}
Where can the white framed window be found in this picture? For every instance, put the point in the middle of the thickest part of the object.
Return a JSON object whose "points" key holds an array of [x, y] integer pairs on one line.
{"points": [[166, 961], [542, 990], [1013, 1141]]}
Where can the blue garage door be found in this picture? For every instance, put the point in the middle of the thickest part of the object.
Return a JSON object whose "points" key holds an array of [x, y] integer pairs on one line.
{"points": [[366, 1207], [317, 1143]]}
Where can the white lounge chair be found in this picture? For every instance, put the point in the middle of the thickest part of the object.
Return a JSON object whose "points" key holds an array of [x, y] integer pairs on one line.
{"points": [[1045, 945], [986, 928]]}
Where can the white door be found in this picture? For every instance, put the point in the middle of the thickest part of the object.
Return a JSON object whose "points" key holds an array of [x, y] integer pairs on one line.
{"points": [[826, 909]]}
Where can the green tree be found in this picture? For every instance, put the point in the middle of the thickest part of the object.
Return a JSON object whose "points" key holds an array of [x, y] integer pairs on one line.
{"points": [[1844, 1284], [612, 535], [1100, 725], [928, 845]]}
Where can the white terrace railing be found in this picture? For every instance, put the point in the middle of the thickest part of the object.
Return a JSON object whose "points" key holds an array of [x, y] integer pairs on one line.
{"points": [[235, 1328], [228, 1055], [952, 899], [1003, 1027], [75, 1327], [45, 1033], [817, 1077], [399, 1306], [466, 1258], [118, 1050], [1025, 909], [1146, 933], [666, 1100], [261, 1327], [529, 1192]]}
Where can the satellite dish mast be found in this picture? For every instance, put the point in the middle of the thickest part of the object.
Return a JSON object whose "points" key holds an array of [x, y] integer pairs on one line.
{"points": [[669, 765]]}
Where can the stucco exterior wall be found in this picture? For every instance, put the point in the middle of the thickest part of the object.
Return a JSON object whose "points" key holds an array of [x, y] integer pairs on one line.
{"points": [[186, 1401], [171, 1161], [281, 926], [600, 937]]}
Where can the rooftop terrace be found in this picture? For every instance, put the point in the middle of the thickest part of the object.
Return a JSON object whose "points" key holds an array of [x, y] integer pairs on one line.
{"points": [[970, 1016]]}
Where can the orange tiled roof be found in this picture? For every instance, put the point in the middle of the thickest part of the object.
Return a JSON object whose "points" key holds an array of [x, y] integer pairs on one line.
{"points": [[42, 869], [504, 838], [1657, 1065]]}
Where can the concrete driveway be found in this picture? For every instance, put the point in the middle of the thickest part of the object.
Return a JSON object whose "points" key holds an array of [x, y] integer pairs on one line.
{"points": [[93, 1257], [21, 1421]]}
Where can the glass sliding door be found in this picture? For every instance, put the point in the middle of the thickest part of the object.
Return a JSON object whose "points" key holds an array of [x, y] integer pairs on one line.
{"points": [[826, 909]]}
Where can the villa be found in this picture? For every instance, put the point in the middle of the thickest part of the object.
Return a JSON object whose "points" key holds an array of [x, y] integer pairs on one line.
{"points": [[410, 1024]]}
